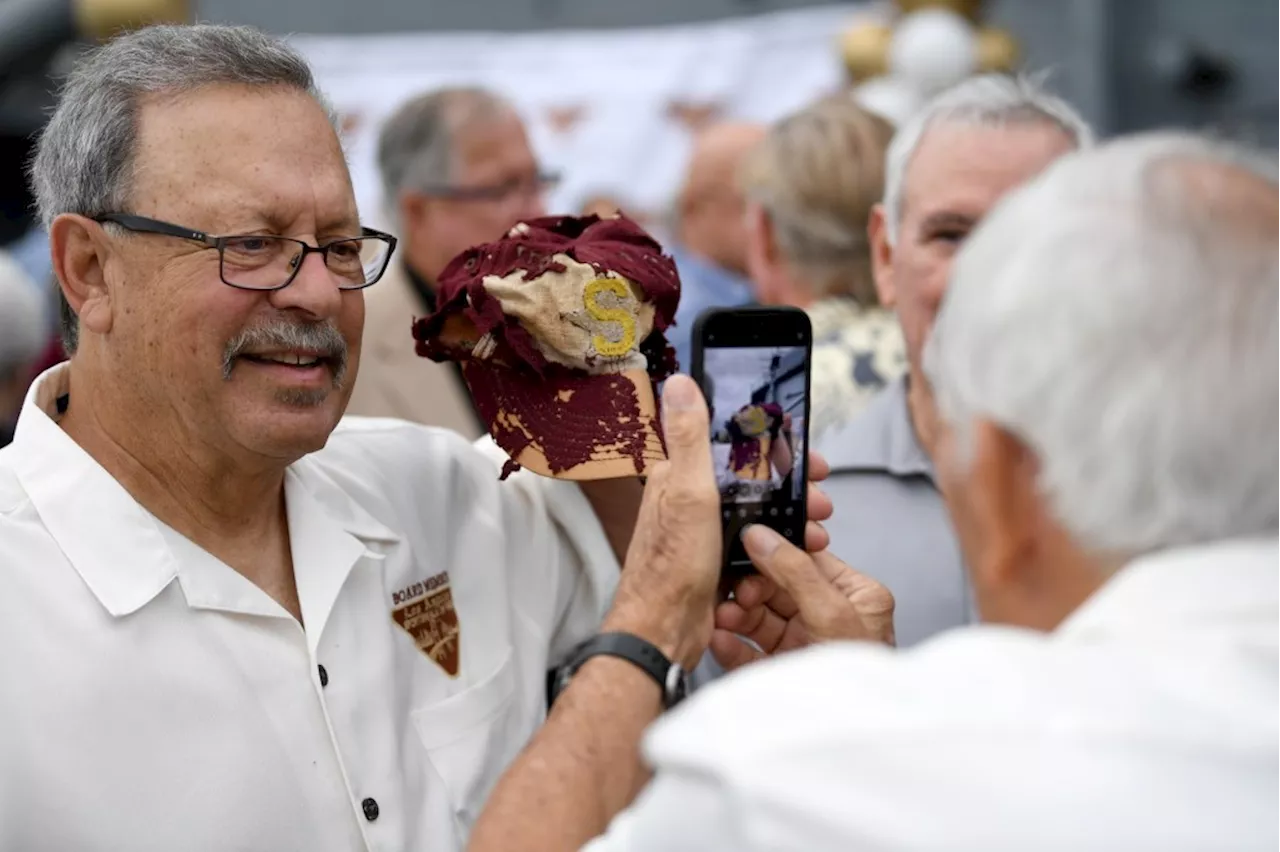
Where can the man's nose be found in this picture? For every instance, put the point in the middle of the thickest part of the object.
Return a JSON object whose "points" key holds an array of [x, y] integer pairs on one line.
{"points": [[314, 290]]}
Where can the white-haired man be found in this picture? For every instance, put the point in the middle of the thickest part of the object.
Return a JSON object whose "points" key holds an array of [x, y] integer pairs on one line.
{"points": [[946, 168], [1105, 370]]}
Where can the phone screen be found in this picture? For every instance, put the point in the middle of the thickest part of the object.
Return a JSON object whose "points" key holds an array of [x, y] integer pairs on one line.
{"points": [[759, 410]]}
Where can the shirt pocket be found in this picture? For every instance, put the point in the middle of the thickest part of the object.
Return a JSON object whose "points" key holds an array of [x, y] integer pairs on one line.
{"points": [[469, 740]]}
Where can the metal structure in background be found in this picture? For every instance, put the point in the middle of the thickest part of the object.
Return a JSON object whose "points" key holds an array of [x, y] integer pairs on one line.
{"points": [[38, 39]]}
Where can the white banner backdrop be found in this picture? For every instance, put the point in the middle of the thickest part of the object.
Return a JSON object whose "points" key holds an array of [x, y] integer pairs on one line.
{"points": [[612, 110]]}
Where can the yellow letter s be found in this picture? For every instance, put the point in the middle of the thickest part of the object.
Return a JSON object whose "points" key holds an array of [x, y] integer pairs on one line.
{"points": [[626, 321]]}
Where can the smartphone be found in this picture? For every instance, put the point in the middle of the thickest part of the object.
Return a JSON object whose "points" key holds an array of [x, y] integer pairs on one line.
{"points": [[753, 367]]}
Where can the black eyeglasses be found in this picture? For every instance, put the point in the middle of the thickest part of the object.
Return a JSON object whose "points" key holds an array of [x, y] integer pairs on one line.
{"points": [[269, 262], [523, 188]]}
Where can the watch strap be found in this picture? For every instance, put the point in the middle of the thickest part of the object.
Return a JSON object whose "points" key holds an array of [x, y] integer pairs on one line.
{"points": [[641, 653]]}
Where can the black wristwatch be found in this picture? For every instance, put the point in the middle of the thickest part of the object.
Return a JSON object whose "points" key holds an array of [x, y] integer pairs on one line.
{"points": [[670, 676]]}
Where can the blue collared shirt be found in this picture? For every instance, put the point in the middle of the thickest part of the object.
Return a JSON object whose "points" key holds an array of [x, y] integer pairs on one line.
{"points": [[703, 285]]}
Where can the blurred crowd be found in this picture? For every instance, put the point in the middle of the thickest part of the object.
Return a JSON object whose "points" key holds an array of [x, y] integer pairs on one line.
{"points": [[987, 501]]}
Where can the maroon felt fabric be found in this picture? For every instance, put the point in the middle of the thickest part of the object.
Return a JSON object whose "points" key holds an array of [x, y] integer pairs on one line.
{"points": [[570, 414]]}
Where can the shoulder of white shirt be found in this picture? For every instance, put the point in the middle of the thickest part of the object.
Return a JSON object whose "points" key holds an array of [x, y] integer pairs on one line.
{"points": [[974, 682]]}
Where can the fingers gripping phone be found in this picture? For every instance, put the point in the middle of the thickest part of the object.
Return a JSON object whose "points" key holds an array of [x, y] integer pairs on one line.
{"points": [[753, 367]]}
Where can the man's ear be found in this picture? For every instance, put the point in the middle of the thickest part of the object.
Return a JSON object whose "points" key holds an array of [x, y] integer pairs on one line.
{"points": [[881, 257], [1003, 505], [762, 243], [79, 251]]}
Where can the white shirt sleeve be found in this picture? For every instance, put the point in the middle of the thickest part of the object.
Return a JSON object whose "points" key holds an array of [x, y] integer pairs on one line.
{"points": [[736, 771], [991, 738], [550, 523]]}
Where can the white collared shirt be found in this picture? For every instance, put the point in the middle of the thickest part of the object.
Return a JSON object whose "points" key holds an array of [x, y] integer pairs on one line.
{"points": [[152, 698], [1147, 721]]}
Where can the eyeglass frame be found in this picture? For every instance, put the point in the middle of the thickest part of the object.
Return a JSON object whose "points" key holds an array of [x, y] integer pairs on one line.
{"points": [[490, 192], [147, 225]]}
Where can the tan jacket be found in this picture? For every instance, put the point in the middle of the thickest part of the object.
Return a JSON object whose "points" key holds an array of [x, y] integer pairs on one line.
{"points": [[393, 380]]}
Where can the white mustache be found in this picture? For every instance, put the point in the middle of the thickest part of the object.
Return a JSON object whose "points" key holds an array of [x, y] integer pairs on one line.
{"points": [[322, 338]]}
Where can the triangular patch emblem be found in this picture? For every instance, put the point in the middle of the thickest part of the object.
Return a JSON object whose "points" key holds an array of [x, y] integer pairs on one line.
{"points": [[431, 620]]}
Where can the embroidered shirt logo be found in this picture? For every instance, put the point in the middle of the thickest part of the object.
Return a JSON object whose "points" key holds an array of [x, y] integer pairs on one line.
{"points": [[425, 611]]}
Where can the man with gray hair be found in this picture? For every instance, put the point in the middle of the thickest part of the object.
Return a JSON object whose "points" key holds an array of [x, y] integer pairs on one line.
{"points": [[945, 169], [457, 171], [1105, 369], [227, 620], [22, 338]]}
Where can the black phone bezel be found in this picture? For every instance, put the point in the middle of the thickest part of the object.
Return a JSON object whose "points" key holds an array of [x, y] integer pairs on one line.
{"points": [[756, 327]]}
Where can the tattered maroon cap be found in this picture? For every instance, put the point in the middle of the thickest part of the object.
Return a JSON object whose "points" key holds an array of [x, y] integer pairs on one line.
{"points": [[559, 330], [752, 431]]}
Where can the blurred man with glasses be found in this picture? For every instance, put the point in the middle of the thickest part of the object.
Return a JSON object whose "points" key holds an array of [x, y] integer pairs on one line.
{"points": [[457, 170], [228, 620]]}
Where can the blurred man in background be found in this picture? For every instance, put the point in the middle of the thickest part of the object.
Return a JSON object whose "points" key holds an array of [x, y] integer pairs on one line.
{"points": [[457, 170], [710, 248], [23, 335], [810, 187], [947, 167]]}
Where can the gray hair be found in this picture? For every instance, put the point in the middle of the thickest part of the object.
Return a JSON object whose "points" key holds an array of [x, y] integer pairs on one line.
{"points": [[84, 161], [416, 145], [22, 319], [985, 100], [1119, 315]]}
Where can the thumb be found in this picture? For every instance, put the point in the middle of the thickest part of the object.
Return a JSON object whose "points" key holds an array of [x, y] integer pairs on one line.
{"points": [[785, 564], [795, 571], [685, 426]]}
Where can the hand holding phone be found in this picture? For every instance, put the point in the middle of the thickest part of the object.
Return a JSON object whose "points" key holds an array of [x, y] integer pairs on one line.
{"points": [[753, 367]]}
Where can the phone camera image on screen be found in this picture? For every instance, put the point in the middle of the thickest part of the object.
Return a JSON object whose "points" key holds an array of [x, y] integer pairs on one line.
{"points": [[757, 400]]}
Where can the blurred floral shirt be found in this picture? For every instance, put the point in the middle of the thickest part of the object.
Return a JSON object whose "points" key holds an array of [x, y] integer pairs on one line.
{"points": [[856, 352]]}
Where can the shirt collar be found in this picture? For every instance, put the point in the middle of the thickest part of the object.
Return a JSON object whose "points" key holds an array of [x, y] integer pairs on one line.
{"points": [[1228, 583], [880, 439], [116, 545]]}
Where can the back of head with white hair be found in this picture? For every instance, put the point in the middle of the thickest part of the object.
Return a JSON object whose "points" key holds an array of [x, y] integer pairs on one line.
{"points": [[22, 322], [985, 100], [1119, 316]]}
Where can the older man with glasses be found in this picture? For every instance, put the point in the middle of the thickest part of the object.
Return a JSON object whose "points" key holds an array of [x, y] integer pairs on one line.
{"points": [[228, 621], [457, 171]]}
